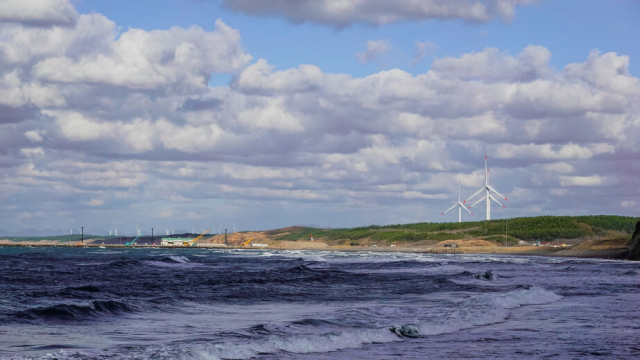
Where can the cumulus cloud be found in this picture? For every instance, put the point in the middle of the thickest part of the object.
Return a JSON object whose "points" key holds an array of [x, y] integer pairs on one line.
{"points": [[341, 13], [147, 60], [38, 12], [33, 135], [593, 180], [127, 118], [494, 66], [375, 48]]}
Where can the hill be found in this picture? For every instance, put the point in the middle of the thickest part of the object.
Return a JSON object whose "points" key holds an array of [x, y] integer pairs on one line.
{"points": [[542, 228]]}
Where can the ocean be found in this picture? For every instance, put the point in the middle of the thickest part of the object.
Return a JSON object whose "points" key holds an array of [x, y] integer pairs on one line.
{"points": [[89, 303]]}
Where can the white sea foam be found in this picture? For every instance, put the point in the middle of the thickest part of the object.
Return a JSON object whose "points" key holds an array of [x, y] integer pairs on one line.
{"points": [[459, 314], [301, 344], [179, 259], [485, 310], [475, 311]]}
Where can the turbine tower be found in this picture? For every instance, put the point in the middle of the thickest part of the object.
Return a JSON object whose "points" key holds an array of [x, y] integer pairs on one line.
{"points": [[459, 205], [488, 196]]}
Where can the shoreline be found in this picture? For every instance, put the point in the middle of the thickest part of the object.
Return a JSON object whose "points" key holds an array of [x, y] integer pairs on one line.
{"points": [[545, 251]]}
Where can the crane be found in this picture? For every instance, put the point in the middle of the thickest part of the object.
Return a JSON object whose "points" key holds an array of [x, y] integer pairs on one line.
{"points": [[133, 241], [193, 243], [244, 244]]}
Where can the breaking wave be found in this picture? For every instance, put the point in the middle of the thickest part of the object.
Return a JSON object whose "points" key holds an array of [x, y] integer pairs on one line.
{"points": [[70, 312]]}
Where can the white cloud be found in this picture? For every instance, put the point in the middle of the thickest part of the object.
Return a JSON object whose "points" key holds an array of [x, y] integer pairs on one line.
{"points": [[548, 151], [493, 66], [94, 202], [341, 13], [129, 118], [594, 180], [149, 59], [34, 135], [375, 49], [31, 152], [559, 167], [38, 12]]}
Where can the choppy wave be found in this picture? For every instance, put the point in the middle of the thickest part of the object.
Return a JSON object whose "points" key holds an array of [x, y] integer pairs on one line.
{"points": [[327, 336], [271, 305], [72, 312], [485, 310]]}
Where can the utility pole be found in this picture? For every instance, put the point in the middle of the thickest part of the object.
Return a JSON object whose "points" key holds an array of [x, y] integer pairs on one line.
{"points": [[82, 238], [506, 235], [225, 237], [151, 236]]}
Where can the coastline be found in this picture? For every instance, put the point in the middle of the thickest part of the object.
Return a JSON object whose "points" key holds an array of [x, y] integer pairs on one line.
{"points": [[602, 252]]}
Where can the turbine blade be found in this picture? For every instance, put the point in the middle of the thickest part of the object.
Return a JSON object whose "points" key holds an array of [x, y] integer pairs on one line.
{"points": [[464, 207], [497, 193], [486, 171], [494, 199], [477, 202], [451, 208], [472, 196]]}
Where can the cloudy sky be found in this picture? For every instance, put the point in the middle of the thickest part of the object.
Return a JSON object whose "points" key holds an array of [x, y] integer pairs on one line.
{"points": [[268, 113]]}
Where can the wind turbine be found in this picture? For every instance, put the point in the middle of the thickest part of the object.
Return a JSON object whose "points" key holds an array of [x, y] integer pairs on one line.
{"points": [[115, 230], [167, 230], [488, 196], [138, 228], [219, 229], [234, 226], [460, 206]]}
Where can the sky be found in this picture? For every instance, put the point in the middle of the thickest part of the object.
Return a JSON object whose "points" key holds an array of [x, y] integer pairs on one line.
{"points": [[261, 114]]}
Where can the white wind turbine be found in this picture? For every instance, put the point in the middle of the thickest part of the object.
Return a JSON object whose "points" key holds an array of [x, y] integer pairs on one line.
{"points": [[167, 230], [138, 228], [459, 205], [488, 196]]}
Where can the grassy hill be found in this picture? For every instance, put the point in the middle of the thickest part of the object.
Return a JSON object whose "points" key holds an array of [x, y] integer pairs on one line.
{"points": [[543, 228]]}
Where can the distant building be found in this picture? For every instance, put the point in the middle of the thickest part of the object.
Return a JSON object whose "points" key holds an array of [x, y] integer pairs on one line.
{"points": [[176, 242]]}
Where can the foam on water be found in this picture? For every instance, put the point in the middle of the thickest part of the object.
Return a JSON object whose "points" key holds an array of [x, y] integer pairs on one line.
{"points": [[285, 304], [485, 310]]}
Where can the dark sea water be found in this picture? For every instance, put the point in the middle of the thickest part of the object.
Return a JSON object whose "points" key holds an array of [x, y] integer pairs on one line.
{"points": [[61, 303]]}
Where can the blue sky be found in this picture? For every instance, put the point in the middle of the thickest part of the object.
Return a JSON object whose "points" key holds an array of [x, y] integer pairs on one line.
{"points": [[568, 28], [269, 114]]}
